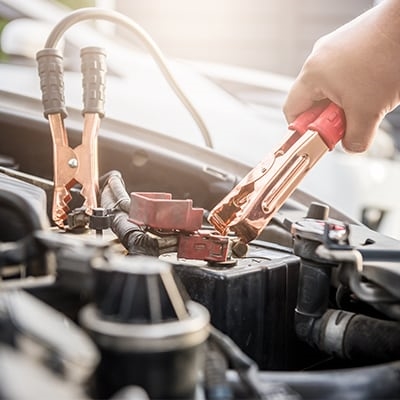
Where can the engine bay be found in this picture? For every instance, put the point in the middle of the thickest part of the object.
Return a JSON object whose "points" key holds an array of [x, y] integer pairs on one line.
{"points": [[141, 298]]}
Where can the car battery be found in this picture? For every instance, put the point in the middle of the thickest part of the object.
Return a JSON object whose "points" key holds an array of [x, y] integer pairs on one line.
{"points": [[251, 299]]}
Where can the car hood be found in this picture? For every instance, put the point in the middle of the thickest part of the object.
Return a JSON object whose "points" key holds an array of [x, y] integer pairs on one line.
{"points": [[144, 99]]}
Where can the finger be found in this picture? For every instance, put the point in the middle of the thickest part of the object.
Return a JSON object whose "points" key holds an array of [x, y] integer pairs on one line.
{"points": [[360, 131], [299, 99]]}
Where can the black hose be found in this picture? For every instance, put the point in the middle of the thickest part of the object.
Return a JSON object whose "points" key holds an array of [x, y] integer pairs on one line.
{"points": [[312, 297], [372, 340], [342, 334], [357, 337], [366, 383]]}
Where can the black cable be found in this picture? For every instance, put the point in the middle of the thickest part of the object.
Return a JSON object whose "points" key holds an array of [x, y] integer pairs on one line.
{"points": [[114, 197], [247, 370], [83, 14]]}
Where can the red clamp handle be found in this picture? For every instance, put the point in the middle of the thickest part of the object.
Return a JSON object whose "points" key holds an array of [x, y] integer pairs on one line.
{"points": [[329, 121]]}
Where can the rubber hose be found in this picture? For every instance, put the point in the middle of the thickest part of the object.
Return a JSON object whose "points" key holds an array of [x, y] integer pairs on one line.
{"points": [[370, 339], [366, 383]]}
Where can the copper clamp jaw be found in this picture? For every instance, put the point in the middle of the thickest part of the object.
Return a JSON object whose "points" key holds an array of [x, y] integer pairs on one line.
{"points": [[79, 164], [248, 208]]}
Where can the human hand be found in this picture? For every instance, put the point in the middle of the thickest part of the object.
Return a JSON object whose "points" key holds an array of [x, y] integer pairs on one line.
{"points": [[358, 68]]}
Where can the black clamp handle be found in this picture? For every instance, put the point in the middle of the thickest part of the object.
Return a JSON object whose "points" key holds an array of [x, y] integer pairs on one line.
{"points": [[51, 71], [94, 68]]}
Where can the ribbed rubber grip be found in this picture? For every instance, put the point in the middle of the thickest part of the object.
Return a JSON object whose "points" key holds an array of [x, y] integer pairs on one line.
{"points": [[51, 70], [328, 120], [331, 125], [94, 70]]}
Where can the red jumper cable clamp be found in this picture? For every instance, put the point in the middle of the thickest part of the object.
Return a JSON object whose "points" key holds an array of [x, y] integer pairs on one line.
{"points": [[163, 216], [248, 208]]}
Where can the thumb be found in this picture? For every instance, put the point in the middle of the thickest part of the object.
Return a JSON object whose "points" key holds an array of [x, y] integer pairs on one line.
{"points": [[361, 128]]}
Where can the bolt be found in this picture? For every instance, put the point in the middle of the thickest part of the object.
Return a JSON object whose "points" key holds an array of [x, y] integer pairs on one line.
{"points": [[239, 249], [99, 220], [73, 163], [318, 211]]}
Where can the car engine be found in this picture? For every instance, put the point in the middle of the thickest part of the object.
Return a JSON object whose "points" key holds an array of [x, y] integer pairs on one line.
{"points": [[141, 299]]}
